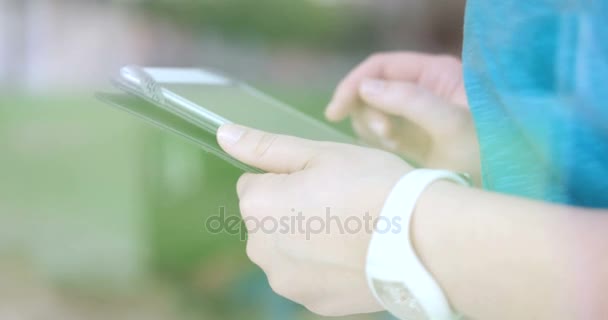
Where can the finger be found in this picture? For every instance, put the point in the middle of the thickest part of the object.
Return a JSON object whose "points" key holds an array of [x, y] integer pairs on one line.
{"points": [[391, 139], [345, 98], [407, 66], [243, 183], [372, 126], [264, 195], [267, 151], [407, 100], [378, 122], [360, 127], [415, 147]]}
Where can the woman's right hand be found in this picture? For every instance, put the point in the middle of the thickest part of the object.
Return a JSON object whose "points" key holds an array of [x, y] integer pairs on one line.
{"points": [[414, 105]]}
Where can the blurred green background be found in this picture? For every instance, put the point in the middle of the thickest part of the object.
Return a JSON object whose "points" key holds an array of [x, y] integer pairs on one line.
{"points": [[102, 216]]}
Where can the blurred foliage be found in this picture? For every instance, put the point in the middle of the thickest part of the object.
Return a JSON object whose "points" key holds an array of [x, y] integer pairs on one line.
{"points": [[293, 22], [100, 201]]}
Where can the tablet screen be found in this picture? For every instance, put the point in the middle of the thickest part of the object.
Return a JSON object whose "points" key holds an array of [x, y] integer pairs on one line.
{"points": [[211, 100]]}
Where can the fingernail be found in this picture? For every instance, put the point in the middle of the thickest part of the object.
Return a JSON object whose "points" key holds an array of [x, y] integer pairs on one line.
{"points": [[378, 127], [373, 87], [230, 134]]}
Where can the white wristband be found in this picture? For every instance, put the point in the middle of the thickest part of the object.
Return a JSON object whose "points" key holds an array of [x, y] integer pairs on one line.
{"points": [[396, 276]]}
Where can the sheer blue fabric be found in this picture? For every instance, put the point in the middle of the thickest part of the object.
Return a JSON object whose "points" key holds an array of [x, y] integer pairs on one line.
{"points": [[536, 74]]}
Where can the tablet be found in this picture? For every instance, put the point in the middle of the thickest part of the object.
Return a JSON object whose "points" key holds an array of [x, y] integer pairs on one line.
{"points": [[194, 103]]}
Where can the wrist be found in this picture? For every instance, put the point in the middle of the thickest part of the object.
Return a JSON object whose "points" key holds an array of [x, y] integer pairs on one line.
{"points": [[439, 235], [397, 276]]}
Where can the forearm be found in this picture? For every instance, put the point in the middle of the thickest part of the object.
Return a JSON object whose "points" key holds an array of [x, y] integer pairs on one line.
{"points": [[500, 257]]}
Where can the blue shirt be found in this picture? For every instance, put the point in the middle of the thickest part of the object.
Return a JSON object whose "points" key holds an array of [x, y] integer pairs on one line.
{"points": [[536, 74]]}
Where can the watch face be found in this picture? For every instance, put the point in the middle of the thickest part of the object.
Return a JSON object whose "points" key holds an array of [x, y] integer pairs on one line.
{"points": [[398, 300]]}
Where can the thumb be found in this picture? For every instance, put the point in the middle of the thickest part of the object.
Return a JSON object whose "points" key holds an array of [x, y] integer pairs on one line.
{"points": [[407, 100], [267, 151]]}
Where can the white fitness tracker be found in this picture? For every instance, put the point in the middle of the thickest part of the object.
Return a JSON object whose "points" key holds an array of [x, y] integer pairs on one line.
{"points": [[395, 274]]}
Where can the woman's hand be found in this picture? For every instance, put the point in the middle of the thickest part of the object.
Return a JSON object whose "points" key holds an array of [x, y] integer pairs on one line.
{"points": [[311, 217], [414, 105]]}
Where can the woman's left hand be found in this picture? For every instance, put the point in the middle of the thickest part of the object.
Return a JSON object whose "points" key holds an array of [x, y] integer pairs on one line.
{"points": [[311, 217]]}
